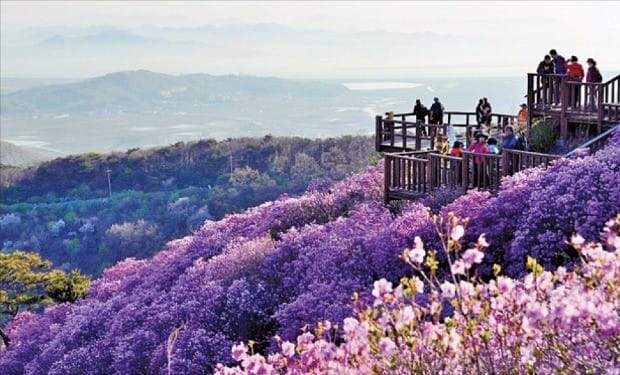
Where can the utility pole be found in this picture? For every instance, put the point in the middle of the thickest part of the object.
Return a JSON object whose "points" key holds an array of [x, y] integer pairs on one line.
{"points": [[108, 171]]}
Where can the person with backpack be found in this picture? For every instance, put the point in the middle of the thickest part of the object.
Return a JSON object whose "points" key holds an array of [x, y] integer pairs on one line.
{"points": [[592, 76], [420, 111]]}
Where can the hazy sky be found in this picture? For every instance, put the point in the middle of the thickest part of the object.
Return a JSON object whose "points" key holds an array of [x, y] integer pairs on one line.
{"points": [[587, 28]]}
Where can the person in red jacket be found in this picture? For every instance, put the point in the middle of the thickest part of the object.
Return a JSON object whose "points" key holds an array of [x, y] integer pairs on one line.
{"points": [[575, 74]]}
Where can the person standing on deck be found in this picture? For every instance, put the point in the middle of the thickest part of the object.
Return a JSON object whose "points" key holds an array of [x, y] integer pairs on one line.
{"points": [[559, 68], [479, 147], [435, 115], [592, 76], [522, 116], [486, 112], [479, 113], [420, 112], [575, 74], [509, 139], [545, 67], [457, 149]]}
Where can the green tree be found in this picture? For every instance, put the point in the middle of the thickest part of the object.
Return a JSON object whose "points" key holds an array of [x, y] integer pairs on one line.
{"points": [[28, 282], [305, 168]]}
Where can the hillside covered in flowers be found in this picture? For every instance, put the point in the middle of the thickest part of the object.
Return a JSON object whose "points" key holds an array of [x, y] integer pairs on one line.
{"points": [[323, 261]]}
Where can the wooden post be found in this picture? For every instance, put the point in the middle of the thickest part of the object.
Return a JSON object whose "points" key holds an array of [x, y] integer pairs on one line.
{"points": [[530, 103], [563, 117], [378, 133], [404, 133], [418, 140], [465, 171], [599, 107], [429, 175], [386, 178]]}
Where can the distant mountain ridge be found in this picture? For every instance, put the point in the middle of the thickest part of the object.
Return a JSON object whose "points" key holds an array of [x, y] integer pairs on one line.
{"points": [[13, 155], [141, 89]]}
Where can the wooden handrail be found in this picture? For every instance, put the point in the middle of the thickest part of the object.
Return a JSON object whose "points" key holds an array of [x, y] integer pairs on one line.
{"points": [[398, 127], [595, 143], [415, 173], [577, 101]]}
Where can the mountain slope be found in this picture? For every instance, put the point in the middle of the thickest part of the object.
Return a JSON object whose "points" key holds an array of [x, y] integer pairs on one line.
{"points": [[13, 155], [290, 263], [141, 89]]}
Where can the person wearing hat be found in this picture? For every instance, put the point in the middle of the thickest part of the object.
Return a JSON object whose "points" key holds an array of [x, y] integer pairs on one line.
{"points": [[479, 147], [522, 116]]}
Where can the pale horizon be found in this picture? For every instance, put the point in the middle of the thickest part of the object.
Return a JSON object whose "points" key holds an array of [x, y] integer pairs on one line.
{"points": [[324, 40]]}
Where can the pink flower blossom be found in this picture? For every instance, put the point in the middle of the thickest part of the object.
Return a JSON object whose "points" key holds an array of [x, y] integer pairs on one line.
{"points": [[577, 240], [471, 256], [387, 347], [380, 290], [482, 241], [457, 232], [416, 255], [405, 317], [288, 349], [458, 267], [239, 352], [448, 289]]}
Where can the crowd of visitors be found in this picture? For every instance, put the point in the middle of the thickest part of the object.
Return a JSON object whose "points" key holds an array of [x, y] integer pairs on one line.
{"points": [[435, 114], [554, 65]]}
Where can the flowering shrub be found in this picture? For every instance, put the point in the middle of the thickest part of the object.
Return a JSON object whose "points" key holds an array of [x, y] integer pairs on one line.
{"points": [[290, 264], [549, 322], [246, 277], [536, 210]]}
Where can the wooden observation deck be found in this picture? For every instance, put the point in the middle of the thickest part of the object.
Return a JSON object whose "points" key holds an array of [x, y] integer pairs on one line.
{"points": [[413, 169], [593, 104]]}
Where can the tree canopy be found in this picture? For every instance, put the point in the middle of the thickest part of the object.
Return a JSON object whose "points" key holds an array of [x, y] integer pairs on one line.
{"points": [[29, 282]]}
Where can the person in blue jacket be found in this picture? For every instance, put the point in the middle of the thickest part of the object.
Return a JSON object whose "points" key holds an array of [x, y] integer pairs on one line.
{"points": [[559, 63]]}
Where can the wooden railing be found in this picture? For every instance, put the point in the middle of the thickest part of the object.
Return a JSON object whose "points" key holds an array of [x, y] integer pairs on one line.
{"points": [[595, 143], [554, 94], [515, 161], [406, 175], [402, 132], [410, 175]]}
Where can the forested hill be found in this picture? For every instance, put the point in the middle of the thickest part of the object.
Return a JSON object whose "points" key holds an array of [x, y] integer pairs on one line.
{"points": [[290, 161], [61, 208], [145, 90]]}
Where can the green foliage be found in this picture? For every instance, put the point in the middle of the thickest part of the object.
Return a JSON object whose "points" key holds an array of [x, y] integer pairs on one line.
{"points": [[69, 216], [27, 281], [542, 136], [162, 193]]}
